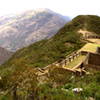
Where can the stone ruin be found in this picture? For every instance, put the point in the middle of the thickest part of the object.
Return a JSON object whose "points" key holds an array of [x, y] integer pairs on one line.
{"points": [[98, 50], [93, 59]]}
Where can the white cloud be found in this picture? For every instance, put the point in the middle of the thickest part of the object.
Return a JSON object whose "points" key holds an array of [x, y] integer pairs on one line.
{"points": [[66, 7]]}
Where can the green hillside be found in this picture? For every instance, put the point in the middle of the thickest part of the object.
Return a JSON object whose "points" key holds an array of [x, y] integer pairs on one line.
{"points": [[19, 79], [45, 52], [89, 22], [63, 43]]}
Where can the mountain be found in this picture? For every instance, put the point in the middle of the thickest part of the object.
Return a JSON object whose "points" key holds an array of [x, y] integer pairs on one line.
{"points": [[4, 55], [6, 19], [47, 51], [22, 77], [20, 30]]}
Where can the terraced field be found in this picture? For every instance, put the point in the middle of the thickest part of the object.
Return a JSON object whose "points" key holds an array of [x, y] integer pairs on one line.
{"points": [[76, 61], [90, 47]]}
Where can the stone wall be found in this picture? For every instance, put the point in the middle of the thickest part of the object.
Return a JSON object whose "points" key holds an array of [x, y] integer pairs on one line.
{"points": [[94, 59], [64, 62], [92, 37], [98, 50], [67, 60], [84, 52]]}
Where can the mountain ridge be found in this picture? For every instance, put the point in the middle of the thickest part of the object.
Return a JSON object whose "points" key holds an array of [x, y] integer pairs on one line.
{"points": [[29, 27], [38, 54]]}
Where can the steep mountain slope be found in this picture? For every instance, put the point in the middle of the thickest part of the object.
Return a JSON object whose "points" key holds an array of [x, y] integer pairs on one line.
{"points": [[29, 27], [4, 55], [20, 78], [47, 51], [6, 19], [64, 42]]}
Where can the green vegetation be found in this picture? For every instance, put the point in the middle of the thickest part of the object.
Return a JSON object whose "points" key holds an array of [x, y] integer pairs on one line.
{"points": [[76, 61], [63, 43], [90, 47], [57, 88], [89, 22], [48, 51], [19, 78]]}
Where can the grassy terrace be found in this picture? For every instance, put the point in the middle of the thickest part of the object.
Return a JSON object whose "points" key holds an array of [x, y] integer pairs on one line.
{"points": [[90, 47], [76, 61]]}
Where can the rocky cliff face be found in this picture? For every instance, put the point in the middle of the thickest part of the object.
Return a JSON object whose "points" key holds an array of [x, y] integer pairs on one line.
{"points": [[29, 27]]}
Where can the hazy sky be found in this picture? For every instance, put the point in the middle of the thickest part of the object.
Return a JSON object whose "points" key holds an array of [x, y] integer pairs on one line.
{"points": [[66, 7]]}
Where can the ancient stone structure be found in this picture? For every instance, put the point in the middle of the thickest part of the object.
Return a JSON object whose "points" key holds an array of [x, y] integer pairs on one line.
{"points": [[93, 37], [98, 50], [69, 58], [93, 60], [64, 62], [84, 52]]}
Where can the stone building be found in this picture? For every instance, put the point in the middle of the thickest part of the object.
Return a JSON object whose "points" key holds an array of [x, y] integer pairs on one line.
{"points": [[93, 59]]}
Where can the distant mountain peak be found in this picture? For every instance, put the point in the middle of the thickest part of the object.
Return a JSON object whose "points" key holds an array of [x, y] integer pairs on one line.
{"points": [[38, 10], [29, 27], [43, 9]]}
